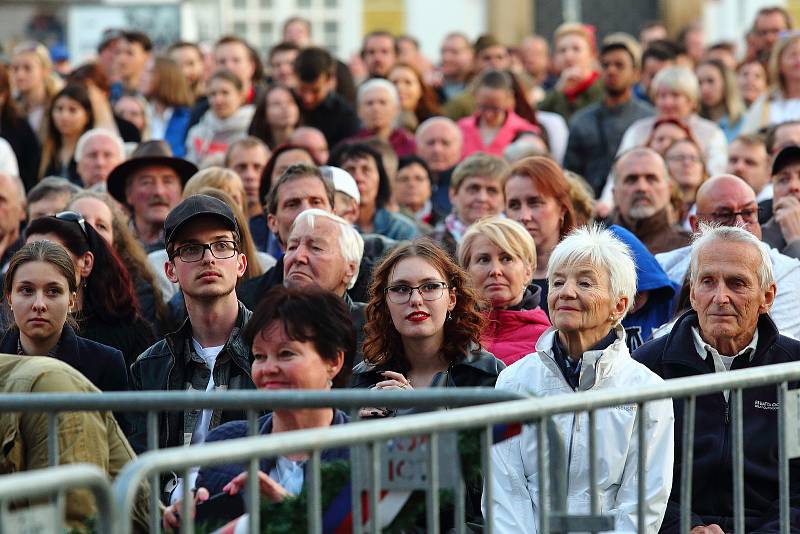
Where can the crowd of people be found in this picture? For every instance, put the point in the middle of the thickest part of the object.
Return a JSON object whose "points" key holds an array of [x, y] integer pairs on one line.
{"points": [[615, 213]]}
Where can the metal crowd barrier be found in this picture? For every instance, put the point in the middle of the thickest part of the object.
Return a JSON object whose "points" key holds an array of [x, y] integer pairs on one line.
{"points": [[53, 482], [250, 401], [537, 410]]}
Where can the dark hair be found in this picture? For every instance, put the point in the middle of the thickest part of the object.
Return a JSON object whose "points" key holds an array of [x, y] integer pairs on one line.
{"points": [[134, 36], [382, 342], [496, 79], [282, 47], [348, 151], [618, 45], [308, 314], [265, 186], [313, 62], [90, 72], [8, 112], [259, 127], [185, 44], [662, 50], [108, 291], [411, 160], [773, 132], [53, 140], [258, 68], [228, 76], [770, 10], [48, 252], [295, 172], [378, 33]]}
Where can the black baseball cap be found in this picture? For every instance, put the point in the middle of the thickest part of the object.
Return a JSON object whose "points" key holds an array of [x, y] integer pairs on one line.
{"points": [[196, 206], [788, 155]]}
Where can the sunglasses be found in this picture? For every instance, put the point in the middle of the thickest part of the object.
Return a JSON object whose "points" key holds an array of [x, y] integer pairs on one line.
{"points": [[73, 216]]}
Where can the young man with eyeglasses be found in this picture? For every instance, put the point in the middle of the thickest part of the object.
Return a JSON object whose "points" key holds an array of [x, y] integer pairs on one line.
{"points": [[727, 200], [206, 353]]}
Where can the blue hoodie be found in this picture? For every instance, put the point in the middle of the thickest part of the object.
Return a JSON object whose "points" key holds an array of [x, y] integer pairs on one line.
{"points": [[652, 278]]}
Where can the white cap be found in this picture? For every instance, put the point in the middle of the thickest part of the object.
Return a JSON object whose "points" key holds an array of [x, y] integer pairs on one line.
{"points": [[342, 180]]}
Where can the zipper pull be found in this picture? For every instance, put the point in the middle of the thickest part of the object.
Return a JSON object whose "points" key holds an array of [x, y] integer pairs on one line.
{"points": [[727, 413]]}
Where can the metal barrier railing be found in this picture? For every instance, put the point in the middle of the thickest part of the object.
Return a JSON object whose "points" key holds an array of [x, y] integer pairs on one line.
{"points": [[484, 417], [55, 481], [251, 402]]}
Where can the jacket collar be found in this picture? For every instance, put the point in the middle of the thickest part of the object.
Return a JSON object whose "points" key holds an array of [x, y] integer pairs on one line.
{"points": [[680, 347], [235, 345], [67, 345], [643, 228], [595, 364]]}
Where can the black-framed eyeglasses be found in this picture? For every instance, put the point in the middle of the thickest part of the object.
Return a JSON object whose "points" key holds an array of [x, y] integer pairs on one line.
{"points": [[401, 294], [74, 216], [728, 218], [221, 250]]}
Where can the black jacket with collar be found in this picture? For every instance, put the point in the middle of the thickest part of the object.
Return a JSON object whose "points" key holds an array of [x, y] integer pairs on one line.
{"points": [[104, 366], [163, 367], [675, 356]]}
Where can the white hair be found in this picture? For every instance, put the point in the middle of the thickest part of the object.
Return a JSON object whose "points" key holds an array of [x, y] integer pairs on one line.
{"points": [[98, 132], [601, 248], [18, 185], [678, 79], [427, 123], [350, 241], [708, 234], [378, 83]]}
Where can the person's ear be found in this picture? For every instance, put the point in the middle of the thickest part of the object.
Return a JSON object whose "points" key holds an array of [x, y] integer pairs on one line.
{"points": [[169, 270], [272, 224], [349, 272], [694, 222], [621, 306], [73, 299], [452, 298], [87, 265], [528, 272], [335, 366], [241, 264], [769, 298]]}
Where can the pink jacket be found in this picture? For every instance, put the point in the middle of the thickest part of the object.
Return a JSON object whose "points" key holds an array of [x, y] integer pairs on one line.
{"points": [[505, 135], [512, 334]]}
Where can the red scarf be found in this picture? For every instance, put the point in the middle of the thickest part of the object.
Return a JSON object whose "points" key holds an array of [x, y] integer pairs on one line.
{"points": [[576, 91]]}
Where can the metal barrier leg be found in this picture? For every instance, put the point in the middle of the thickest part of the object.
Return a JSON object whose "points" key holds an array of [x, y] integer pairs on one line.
{"points": [[459, 516], [486, 461], [544, 476], [738, 461], [375, 485], [593, 494], [642, 467], [187, 506], [783, 457], [355, 475], [155, 481], [432, 493], [314, 494], [253, 496], [687, 463], [52, 438]]}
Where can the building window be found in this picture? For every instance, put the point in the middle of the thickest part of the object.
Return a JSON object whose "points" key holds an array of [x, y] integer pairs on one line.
{"points": [[265, 33], [240, 28], [331, 4], [304, 3], [240, 4], [266, 4]]}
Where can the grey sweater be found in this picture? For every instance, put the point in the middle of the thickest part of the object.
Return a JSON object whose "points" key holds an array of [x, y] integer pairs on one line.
{"points": [[594, 136]]}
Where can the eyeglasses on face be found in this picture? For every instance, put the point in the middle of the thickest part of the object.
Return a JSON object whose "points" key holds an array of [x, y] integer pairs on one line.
{"points": [[221, 250], [401, 293], [728, 218]]}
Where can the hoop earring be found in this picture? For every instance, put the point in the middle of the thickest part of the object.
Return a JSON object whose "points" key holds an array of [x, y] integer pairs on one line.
{"points": [[449, 315]]}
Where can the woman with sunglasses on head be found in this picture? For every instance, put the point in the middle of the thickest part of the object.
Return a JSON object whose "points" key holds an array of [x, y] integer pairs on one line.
{"points": [[40, 288], [105, 296], [423, 325]]}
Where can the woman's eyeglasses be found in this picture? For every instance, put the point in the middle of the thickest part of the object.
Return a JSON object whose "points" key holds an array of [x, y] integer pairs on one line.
{"points": [[401, 294], [74, 216]]}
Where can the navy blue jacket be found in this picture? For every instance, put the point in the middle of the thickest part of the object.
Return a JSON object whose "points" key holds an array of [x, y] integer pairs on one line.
{"points": [[215, 478], [104, 366], [675, 356]]}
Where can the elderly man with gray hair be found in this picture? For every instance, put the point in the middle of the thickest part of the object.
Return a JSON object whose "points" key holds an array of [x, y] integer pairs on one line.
{"points": [[378, 108], [98, 151], [728, 328]]}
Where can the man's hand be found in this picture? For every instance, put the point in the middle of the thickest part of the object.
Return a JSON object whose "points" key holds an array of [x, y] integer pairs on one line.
{"points": [[267, 487], [172, 518], [787, 215], [707, 529]]}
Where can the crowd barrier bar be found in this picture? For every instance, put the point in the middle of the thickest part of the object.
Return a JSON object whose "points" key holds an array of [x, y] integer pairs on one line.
{"points": [[535, 410], [54, 481]]}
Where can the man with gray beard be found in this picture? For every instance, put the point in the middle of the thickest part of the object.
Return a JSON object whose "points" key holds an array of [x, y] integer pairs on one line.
{"points": [[642, 200]]}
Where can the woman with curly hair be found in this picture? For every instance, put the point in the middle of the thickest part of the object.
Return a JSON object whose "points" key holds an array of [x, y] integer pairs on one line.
{"points": [[423, 325]]}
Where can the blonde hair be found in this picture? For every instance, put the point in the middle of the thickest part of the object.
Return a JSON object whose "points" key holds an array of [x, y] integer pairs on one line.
{"points": [[52, 84], [774, 66], [509, 236], [216, 178], [575, 28], [678, 79], [480, 164]]}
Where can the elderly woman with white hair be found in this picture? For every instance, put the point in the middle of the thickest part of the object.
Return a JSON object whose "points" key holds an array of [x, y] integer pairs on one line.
{"points": [[676, 94], [378, 107], [592, 281]]}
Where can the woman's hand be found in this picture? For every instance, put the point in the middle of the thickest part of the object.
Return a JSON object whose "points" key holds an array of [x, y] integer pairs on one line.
{"points": [[171, 518], [266, 486], [393, 381]]}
